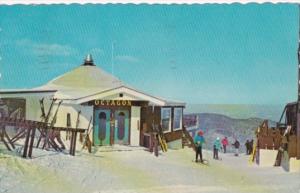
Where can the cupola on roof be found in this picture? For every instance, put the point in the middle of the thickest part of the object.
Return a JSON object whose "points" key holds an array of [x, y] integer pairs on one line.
{"points": [[89, 61], [86, 76]]}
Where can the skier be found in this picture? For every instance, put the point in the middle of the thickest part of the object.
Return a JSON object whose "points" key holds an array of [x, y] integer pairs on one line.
{"points": [[247, 144], [224, 143], [236, 145], [217, 148], [251, 146], [199, 141]]}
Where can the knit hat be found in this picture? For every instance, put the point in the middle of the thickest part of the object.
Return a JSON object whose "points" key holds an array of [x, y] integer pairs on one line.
{"points": [[200, 133]]}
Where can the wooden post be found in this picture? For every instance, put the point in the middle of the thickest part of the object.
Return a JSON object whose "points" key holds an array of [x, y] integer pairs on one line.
{"points": [[8, 139], [71, 142], [74, 143], [2, 137], [18, 135], [151, 142], [298, 135], [46, 143], [5, 135], [40, 137], [26, 142], [155, 144], [31, 142]]}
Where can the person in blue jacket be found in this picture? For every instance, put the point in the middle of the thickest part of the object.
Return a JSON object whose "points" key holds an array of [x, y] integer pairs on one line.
{"points": [[199, 141], [217, 148]]}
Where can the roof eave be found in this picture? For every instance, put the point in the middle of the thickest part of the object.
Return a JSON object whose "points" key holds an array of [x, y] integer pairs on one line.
{"points": [[24, 91]]}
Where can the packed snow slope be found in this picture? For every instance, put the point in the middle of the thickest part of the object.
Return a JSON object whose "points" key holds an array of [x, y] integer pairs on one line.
{"points": [[121, 169]]}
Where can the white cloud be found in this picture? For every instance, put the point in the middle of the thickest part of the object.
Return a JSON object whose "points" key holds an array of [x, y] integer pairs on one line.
{"points": [[96, 51], [126, 58], [44, 49]]}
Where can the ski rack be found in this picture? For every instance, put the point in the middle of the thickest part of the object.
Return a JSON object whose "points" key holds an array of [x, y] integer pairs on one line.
{"points": [[29, 128]]}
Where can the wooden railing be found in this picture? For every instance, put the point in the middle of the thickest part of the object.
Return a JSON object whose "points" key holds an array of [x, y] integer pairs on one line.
{"points": [[27, 129]]}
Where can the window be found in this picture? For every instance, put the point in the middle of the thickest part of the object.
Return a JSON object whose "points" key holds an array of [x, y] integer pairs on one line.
{"points": [[68, 120], [68, 134], [166, 119], [177, 120], [102, 126]]}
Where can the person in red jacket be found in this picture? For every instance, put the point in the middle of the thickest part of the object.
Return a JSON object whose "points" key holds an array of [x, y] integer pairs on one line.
{"points": [[225, 143]]}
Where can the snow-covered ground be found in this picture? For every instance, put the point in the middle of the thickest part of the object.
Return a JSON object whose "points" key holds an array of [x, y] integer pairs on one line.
{"points": [[123, 169]]}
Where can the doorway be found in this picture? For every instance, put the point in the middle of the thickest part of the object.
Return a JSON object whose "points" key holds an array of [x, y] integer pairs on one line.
{"points": [[121, 133], [102, 127]]}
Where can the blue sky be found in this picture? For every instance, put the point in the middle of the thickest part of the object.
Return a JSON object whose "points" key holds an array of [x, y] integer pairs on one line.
{"points": [[210, 54]]}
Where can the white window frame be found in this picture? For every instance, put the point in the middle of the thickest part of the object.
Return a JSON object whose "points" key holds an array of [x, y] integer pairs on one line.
{"points": [[170, 119], [180, 123]]}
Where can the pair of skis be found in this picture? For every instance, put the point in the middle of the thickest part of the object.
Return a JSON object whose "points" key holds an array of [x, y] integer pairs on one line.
{"points": [[161, 139], [74, 136], [45, 132], [204, 162], [163, 143], [87, 142]]}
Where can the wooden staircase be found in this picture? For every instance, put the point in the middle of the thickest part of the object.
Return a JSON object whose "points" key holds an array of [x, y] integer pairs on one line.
{"points": [[187, 139]]}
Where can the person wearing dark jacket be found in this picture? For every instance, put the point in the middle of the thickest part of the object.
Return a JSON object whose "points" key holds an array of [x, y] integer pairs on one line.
{"points": [[217, 148], [199, 141], [251, 146], [247, 144], [236, 145]]}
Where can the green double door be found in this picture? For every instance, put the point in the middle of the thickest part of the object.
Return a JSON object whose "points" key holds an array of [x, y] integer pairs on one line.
{"points": [[103, 133]]}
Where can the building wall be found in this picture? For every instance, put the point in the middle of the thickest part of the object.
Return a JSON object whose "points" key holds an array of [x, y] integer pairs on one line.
{"points": [[267, 157], [176, 144], [33, 112], [84, 117], [154, 115], [73, 109], [117, 97], [33, 109], [135, 125]]}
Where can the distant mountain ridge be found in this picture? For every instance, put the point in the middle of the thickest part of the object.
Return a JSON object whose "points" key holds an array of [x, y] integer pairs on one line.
{"points": [[218, 125], [239, 111]]}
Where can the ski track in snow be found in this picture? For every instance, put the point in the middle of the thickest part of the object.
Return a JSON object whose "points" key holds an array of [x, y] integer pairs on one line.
{"points": [[122, 169]]}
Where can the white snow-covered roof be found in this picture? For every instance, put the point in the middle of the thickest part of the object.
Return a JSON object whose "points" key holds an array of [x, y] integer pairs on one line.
{"points": [[88, 82], [83, 77]]}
